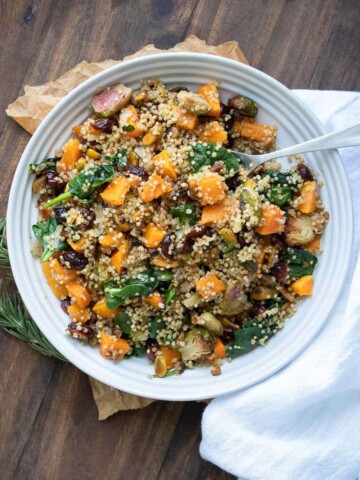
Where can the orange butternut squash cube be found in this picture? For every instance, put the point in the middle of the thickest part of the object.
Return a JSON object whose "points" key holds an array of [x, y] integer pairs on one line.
{"points": [[111, 348], [59, 290], [128, 122], [112, 239], [185, 120], [172, 356], [61, 274], [208, 189], [78, 314], [77, 246], [214, 213], [155, 300], [211, 94], [308, 195], [154, 188], [93, 131], [254, 131], [313, 246], [303, 286], [213, 133], [71, 155], [209, 286], [118, 258], [272, 220], [163, 165], [115, 192], [103, 311], [79, 294], [219, 349], [162, 262], [153, 236], [77, 132]]}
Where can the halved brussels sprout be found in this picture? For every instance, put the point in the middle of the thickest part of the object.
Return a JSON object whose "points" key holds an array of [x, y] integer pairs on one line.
{"points": [[211, 323], [198, 344], [299, 230], [243, 105], [110, 100], [193, 301], [234, 300], [263, 293]]}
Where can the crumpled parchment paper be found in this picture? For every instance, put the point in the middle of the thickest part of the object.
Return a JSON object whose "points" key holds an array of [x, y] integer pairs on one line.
{"points": [[31, 108]]}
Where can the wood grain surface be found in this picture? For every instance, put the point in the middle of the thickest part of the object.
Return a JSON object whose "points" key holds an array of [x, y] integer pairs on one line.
{"points": [[48, 420]]}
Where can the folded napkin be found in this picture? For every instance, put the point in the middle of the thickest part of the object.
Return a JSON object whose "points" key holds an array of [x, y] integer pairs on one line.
{"points": [[303, 423]]}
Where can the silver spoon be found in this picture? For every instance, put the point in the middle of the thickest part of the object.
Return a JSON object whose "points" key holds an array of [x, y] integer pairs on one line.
{"points": [[348, 137]]}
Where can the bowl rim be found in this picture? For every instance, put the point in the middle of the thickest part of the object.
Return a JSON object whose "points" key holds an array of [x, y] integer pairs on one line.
{"points": [[41, 130]]}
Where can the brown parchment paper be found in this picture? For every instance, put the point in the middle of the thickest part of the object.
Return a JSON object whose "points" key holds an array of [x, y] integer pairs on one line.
{"points": [[30, 109]]}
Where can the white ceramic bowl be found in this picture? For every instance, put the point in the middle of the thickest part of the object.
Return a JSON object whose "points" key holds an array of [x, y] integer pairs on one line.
{"points": [[278, 106]]}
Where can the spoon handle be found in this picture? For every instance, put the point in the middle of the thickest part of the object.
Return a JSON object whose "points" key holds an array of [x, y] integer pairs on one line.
{"points": [[348, 137]]}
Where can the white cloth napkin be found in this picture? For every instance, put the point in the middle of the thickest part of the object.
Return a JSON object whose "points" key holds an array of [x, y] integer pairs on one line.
{"points": [[303, 423]]}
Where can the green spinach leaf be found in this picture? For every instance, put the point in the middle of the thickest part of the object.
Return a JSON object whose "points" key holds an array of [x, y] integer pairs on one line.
{"points": [[48, 233], [250, 335], [128, 128], [142, 284], [138, 350], [282, 187], [47, 164], [300, 262], [204, 154], [155, 325], [118, 159], [84, 184], [123, 321], [186, 213]]}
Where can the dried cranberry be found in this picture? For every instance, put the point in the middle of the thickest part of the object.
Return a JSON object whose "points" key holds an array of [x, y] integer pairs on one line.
{"points": [[241, 240], [196, 232], [150, 346], [217, 167], [60, 214], [138, 171], [104, 124], [166, 246], [54, 181], [199, 231], [186, 246], [256, 310], [134, 242], [88, 216], [233, 182], [76, 260], [227, 117], [279, 241], [179, 195], [65, 304], [305, 172], [280, 271], [82, 331], [178, 89], [152, 252]]}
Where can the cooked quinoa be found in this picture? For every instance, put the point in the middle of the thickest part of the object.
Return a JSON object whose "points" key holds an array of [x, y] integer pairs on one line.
{"points": [[156, 240]]}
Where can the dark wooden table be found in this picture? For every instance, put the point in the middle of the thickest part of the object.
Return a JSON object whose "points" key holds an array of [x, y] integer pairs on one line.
{"points": [[48, 419]]}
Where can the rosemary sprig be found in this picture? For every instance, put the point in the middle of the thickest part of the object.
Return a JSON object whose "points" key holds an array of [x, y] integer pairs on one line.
{"points": [[4, 254], [14, 318]]}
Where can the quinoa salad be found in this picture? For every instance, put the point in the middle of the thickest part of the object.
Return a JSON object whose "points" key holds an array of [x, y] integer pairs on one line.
{"points": [[158, 242]]}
